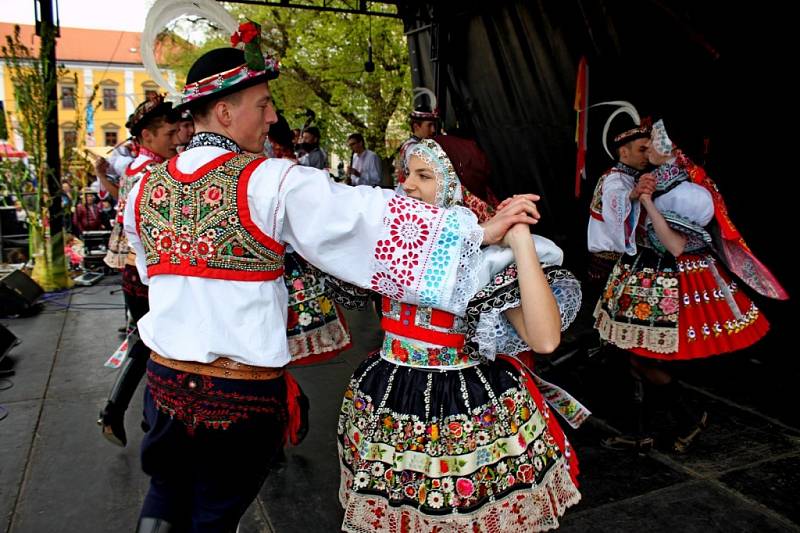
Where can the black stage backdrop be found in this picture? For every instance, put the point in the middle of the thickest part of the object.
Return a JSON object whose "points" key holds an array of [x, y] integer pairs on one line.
{"points": [[505, 73]]}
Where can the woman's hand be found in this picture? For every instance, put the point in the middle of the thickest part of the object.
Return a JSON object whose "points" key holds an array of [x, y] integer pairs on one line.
{"points": [[517, 234], [520, 209]]}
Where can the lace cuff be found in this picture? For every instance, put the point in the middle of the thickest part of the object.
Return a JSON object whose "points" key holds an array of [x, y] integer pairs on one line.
{"points": [[455, 264], [488, 330]]}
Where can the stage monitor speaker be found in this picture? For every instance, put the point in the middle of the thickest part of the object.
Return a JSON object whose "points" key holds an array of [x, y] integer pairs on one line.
{"points": [[18, 293], [7, 341]]}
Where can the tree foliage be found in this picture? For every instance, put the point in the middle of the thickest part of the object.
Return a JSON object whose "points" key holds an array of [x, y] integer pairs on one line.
{"points": [[322, 71]]}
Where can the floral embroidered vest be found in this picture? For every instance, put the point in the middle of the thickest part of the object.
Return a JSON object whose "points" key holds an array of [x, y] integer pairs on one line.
{"points": [[131, 177], [199, 224], [423, 337]]}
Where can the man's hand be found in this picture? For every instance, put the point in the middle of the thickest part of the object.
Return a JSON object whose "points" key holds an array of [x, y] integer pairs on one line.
{"points": [[101, 167], [645, 185], [520, 209]]}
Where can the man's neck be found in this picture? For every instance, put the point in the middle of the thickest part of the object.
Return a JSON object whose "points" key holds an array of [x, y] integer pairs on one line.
{"points": [[149, 151]]}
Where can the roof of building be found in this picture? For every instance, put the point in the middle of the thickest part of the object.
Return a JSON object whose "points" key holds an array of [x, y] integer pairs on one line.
{"points": [[82, 44]]}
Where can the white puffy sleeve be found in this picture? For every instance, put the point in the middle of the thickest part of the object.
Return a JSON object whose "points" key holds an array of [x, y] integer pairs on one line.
{"points": [[374, 239], [620, 214]]}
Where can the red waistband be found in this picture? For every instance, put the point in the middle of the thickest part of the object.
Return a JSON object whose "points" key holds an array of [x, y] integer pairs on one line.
{"points": [[412, 331]]}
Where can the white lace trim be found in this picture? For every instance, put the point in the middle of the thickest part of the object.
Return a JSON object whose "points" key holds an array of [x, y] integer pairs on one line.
{"points": [[628, 336], [470, 259], [326, 338], [522, 511], [567, 292], [494, 334]]}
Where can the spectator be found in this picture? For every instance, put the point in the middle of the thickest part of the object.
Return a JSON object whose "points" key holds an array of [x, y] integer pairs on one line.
{"points": [[87, 214], [365, 165], [315, 156]]}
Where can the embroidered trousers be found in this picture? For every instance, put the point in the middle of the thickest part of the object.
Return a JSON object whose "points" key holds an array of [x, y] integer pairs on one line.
{"points": [[209, 447]]}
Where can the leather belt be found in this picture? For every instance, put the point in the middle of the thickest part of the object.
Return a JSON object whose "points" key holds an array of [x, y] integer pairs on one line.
{"points": [[220, 368]]}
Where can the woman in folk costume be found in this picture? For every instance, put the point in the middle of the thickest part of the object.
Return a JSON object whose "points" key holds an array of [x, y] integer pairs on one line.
{"points": [[675, 298], [315, 326], [438, 433]]}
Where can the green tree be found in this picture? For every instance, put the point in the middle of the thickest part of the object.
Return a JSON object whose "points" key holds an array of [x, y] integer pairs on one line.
{"points": [[29, 182], [322, 69]]}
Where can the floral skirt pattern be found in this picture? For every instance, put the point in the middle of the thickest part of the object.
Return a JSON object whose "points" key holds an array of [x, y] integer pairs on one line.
{"points": [[316, 328], [118, 247], [465, 450], [676, 309]]}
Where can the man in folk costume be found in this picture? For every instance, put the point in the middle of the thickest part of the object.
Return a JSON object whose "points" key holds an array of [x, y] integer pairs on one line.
{"points": [[423, 126], [210, 228], [614, 209], [674, 299], [153, 125]]}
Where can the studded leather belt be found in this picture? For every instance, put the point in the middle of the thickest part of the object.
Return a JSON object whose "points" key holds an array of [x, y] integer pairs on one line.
{"points": [[222, 367]]}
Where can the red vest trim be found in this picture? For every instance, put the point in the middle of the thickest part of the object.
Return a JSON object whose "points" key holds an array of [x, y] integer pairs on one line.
{"points": [[170, 252]]}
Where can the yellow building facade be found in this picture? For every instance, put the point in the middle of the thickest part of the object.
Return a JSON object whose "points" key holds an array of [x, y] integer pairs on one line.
{"points": [[102, 63]]}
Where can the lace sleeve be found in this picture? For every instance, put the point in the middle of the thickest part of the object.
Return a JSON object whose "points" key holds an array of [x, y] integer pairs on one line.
{"points": [[488, 330]]}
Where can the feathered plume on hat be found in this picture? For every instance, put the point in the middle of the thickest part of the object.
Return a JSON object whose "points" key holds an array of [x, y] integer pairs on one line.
{"points": [[424, 110], [640, 130]]}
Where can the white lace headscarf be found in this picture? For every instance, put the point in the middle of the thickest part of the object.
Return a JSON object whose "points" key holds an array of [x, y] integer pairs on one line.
{"points": [[660, 140], [448, 186]]}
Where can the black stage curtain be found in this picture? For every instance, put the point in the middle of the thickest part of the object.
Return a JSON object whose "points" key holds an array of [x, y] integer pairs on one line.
{"points": [[505, 72]]}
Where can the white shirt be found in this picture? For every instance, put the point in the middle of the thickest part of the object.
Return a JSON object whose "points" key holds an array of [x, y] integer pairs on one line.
{"points": [[369, 166], [616, 232], [335, 227]]}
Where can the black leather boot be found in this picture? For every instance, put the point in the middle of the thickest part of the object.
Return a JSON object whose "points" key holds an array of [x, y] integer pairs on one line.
{"points": [[112, 417]]}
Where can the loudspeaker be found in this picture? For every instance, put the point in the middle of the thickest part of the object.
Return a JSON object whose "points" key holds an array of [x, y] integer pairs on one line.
{"points": [[18, 293], [7, 341]]}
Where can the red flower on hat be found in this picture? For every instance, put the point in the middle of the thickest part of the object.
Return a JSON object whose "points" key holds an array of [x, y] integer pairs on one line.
{"points": [[247, 32]]}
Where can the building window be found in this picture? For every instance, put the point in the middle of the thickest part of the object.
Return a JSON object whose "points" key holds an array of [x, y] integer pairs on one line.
{"points": [[70, 139], [150, 90], [111, 138], [68, 96], [110, 98]]}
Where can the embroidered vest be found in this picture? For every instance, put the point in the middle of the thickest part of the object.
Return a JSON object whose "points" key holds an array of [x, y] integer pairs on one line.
{"points": [[423, 337], [199, 224], [131, 177]]}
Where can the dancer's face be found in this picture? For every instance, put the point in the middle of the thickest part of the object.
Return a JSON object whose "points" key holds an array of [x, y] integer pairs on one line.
{"points": [[249, 116], [421, 181]]}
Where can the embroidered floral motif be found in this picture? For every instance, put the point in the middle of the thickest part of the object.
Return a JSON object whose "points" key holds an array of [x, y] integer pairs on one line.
{"points": [[210, 235], [675, 309], [414, 353], [384, 284], [196, 401], [458, 462]]}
